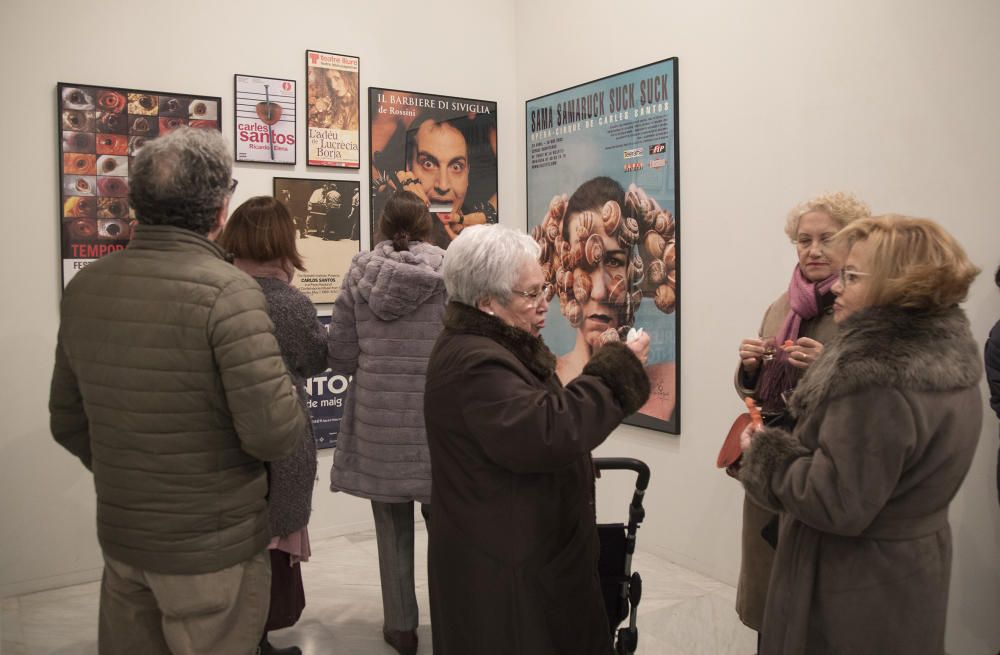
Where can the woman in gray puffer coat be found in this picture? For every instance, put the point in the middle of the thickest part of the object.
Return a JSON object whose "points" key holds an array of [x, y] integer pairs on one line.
{"points": [[384, 325], [261, 236]]}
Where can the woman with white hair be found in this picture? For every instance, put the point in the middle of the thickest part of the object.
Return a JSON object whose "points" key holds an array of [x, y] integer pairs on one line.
{"points": [[513, 541]]}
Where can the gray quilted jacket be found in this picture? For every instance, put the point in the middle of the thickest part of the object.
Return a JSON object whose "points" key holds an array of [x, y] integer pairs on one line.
{"points": [[384, 325], [169, 386]]}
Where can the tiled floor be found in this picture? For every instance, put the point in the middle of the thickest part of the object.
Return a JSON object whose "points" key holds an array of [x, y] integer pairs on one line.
{"points": [[681, 613]]}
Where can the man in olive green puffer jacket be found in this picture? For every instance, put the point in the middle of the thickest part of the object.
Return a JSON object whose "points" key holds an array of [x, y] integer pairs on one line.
{"points": [[169, 386]]}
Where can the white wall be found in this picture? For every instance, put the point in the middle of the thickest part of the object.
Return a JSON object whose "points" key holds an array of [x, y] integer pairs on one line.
{"points": [[895, 100], [46, 497]]}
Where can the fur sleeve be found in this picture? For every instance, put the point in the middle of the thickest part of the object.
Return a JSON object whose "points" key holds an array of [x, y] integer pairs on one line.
{"points": [[623, 373], [992, 356], [771, 451]]}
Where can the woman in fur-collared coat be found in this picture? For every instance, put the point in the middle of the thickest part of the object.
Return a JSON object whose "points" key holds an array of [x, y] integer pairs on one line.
{"points": [[888, 420], [512, 540]]}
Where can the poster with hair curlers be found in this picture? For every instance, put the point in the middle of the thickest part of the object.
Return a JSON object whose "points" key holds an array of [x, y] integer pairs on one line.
{"points": [[603, 205], [101, 128]]}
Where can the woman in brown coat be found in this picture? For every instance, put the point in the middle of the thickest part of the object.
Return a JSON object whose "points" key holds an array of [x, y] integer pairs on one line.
{"points": [[512, 540], [887, 423], [803, 315]]}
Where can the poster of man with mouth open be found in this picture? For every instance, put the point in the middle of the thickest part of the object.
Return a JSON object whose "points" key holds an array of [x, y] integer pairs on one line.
{"points": [[603, 204], [445, 144]]}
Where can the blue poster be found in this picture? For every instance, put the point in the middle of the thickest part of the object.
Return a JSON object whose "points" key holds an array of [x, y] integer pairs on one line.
{"points": [[327, 393], [603, 205]]}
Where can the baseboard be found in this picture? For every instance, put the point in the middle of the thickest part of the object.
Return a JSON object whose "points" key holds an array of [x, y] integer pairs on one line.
{"points": [[33, 585], [692, 564]]}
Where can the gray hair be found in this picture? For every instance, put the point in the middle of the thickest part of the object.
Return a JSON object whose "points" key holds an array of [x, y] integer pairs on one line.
{"points": [[181, 179], [485, 261]]}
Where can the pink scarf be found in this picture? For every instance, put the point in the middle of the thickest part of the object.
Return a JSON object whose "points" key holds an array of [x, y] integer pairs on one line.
{"points": [[275, 268], [779, 375]]}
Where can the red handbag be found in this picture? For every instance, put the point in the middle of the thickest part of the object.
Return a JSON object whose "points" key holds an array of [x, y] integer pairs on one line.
{"points": [[731, 452]]}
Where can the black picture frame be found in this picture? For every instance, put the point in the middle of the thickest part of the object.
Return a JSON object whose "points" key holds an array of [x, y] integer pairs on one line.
{"points": [[622, 127], [100, 128], [394, 120]]}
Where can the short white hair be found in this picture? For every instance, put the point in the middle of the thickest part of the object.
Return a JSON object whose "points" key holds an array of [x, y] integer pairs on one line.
{"points": [[843, 208], [485, 262]]}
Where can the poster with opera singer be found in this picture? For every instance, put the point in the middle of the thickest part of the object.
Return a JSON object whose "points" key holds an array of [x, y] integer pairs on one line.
{"points": [[332, 109], [264, 129], [101, 128], [446, 146]]}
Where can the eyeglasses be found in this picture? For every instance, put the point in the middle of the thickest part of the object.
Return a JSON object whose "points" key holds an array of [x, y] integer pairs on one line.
{"points": [[533, 296], [232, 185], [805, 242], [847, 278]]}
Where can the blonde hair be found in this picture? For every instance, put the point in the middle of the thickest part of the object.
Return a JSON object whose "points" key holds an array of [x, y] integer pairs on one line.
{"points": [[915, 263], [843, 208]]}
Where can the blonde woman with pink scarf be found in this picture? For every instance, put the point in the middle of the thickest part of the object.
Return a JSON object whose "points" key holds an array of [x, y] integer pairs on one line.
{"points": [[791, 337]]}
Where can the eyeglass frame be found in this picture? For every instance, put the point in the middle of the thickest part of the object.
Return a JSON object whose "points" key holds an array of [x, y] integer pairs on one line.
{"points": [[824, 243], [533, 296], [232, 185], [842, 276]]}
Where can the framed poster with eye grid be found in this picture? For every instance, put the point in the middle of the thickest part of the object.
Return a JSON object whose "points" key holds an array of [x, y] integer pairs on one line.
{"points": [[264, 119], [101, 128], [603, 191]]}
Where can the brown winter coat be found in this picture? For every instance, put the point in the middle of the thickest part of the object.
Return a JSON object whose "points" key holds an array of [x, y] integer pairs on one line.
{"points": [[757, 554], [169, 386], [888, 420], [512, 538]]}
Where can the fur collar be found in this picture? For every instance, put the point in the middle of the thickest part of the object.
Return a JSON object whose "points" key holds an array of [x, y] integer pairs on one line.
{"points": [[395, 284], [530, 350], [893, 347]]}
